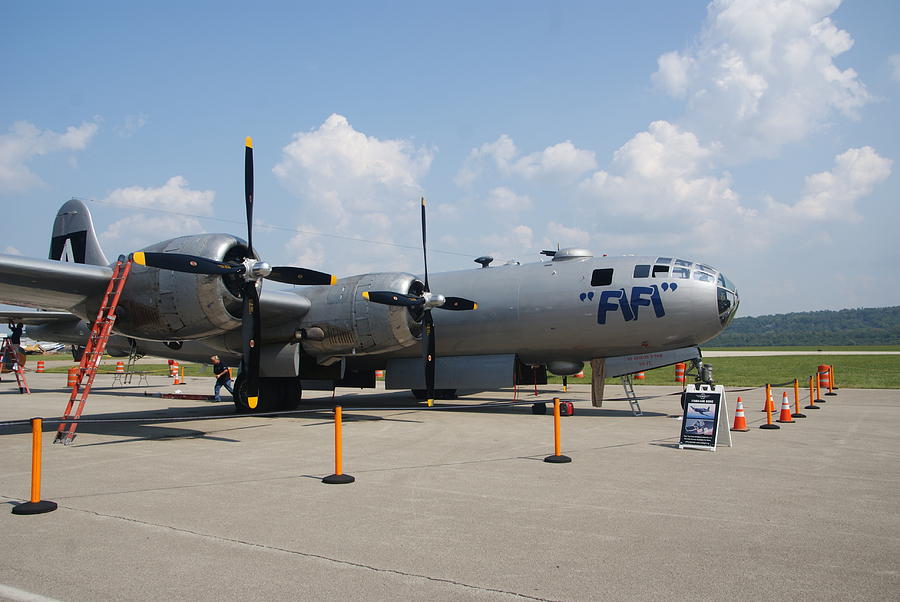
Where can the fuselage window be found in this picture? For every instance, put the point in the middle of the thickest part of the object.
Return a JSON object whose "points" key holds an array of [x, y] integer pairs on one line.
{"points": [[642, 271], [681, 273], [663, 260], [602, 277], [660, 271], [683, 263]]}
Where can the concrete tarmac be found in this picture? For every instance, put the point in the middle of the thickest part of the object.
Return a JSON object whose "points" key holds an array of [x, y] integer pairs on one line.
{"points": [[449, 505]]}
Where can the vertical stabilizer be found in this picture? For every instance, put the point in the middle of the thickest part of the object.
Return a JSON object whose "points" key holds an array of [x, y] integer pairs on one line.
{"points": [[74, 238]]}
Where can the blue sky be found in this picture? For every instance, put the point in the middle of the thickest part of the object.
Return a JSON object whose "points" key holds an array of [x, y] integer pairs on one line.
{"points": [[759, 137]]}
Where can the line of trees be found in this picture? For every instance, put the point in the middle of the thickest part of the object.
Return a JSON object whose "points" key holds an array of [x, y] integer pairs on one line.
{"points": [[863, 326]]}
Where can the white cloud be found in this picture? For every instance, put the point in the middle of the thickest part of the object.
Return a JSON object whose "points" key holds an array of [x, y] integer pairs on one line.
{"points": [[144, 228], [26, 141], [10, 250], [561, 161], [566, 236], [833, 194], [505, 200], [894, 62], [131, 125], [499, 153], [762, 74], [662, 173], [345, 173], [511, 242]]}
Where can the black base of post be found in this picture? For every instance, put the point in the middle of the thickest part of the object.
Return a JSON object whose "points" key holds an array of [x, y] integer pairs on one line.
{"points": [[810, 407], [798, 415], [34, 507], [819, 401], [560, 459], [831, 394], [769, 426], [338, 479]]}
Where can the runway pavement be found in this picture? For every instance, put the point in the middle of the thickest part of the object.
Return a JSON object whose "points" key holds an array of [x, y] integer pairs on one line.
{"points": [[449, 505]]}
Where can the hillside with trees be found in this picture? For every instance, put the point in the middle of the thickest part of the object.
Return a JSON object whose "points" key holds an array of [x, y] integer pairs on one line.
{"points": [[864, 326]]}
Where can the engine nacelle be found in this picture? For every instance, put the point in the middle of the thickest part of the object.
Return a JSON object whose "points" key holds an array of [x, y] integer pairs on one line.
{"points": [[353, 325], [162, 304]]}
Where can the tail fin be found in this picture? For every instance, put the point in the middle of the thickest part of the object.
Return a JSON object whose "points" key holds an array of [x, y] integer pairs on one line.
{"points": [[73, 238]]}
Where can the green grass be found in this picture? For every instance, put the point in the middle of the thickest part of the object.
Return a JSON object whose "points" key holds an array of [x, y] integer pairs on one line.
{"points": [[811, 348], [855, 372]]}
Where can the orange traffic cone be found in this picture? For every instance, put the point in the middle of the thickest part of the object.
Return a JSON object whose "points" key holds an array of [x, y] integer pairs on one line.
{"points": [[40, 367], [120, 367], [785, 410], [740, 421]]}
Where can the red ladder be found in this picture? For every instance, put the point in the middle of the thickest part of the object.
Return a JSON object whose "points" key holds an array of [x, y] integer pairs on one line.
{"points": [[93, 352], [11, 357]]}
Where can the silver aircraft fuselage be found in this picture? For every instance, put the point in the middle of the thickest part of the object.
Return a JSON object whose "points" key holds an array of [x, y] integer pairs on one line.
{"points": [[552, 311]]}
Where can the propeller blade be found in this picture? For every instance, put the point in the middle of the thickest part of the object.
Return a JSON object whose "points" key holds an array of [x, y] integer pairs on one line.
{"points": [[250, 333], [389, 298], [248, 190], [191, 264], [458, 304], [429, 345], [291, 275], [424, 248]]}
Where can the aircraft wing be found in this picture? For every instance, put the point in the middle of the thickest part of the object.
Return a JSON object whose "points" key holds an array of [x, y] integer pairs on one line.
{"points": [[49, 284], [31, 317]]}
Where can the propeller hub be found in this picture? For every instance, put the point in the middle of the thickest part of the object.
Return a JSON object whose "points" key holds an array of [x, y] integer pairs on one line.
{"points": [[256, 269], [433, 300]]}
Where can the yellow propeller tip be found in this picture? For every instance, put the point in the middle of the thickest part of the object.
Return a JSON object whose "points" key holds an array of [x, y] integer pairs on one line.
{"points": [[139, 258], [249, 142], [474, 306], [365, 295], [333, 280], [423, 201], [252, 401]]}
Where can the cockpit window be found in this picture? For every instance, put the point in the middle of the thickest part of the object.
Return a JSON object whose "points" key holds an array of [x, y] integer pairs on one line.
{"points": [[663, 260], [683, 263], [642, 271], [660, 271], [602, 277], [706, 267], [681, 273], [703, 276]]}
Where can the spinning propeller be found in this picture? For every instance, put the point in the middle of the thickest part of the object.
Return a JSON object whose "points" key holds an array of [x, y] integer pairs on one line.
{"points": [[251, 270], [426, 301]]}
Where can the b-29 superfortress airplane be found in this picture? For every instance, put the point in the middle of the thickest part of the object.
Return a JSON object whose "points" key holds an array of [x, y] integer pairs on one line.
{"points": [[202, 294]]}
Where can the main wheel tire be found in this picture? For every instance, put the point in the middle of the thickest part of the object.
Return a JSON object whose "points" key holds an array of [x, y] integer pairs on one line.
{"points": [[276, 394]]}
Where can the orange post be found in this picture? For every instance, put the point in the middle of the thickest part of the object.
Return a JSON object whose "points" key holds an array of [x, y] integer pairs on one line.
{"points": [[769, 410], [797, 413], [557, 457], [812, 400], [35, 505], [829, 380], [819, 376], [338, 478], [770, 403]]}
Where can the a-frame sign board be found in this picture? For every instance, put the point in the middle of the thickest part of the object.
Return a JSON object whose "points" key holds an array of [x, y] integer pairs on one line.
{"points": [[705, 415]]}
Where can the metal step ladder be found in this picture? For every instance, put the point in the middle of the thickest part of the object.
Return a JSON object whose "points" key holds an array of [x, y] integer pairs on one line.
{"points": [[11, 358], [93, 352], [628, 385], [133, 357]]}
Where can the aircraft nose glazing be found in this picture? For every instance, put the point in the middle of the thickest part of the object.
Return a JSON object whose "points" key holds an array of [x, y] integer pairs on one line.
{"points": [[727, 299]]}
